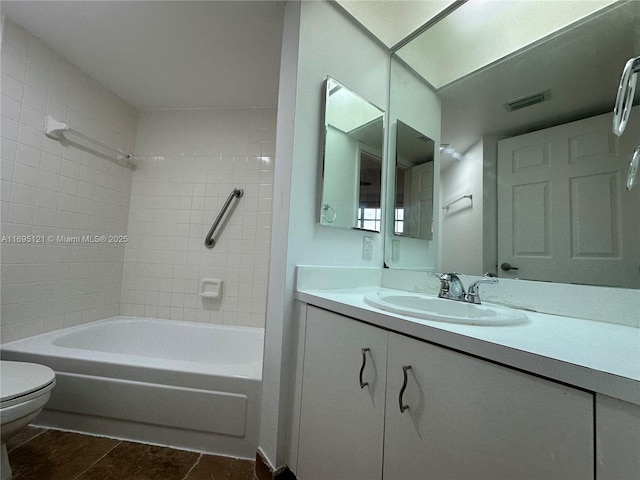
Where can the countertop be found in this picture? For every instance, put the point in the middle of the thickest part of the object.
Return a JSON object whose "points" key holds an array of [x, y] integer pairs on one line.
{"points": [[596, 356]]}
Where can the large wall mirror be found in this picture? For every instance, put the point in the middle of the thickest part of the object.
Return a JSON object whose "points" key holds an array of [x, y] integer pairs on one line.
{"points": [[413, 209], [352, 163], [529, 137]]}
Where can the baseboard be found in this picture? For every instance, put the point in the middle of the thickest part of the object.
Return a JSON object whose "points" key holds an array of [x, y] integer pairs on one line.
{"points": [[264, 471]]}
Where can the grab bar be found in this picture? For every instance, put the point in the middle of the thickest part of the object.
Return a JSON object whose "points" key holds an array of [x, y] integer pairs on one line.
{"points": [[209, 242]]}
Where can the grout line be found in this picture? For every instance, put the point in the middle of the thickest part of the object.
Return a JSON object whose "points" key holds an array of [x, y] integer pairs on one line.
{"points": [[98, 460], [42, 430], [195, 464]]}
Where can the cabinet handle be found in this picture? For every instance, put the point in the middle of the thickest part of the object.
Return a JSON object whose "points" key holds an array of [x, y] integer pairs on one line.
{"points": [[364, 363], [404, 387]]}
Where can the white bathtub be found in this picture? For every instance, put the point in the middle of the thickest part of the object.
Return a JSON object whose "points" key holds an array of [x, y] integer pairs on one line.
{"points": [[182, 384]]}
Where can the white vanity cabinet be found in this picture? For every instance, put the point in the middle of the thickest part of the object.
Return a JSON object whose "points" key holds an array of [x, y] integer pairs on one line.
{"points": [[618, 439], [466, 417], [341, 424]]}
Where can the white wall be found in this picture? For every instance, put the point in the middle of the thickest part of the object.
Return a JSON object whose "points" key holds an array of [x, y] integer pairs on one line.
{"points": [[462, 238], [342, 169], [191, 161], [417, 105], [318, 40], [52, 189]]}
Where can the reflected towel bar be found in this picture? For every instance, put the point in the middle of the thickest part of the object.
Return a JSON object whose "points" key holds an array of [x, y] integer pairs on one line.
{"points": [[209, 242], [446, 207], [54, 129]]}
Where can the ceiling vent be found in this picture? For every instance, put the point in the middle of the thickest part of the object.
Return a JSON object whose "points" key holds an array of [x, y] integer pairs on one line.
{"points": [[527, 100]]}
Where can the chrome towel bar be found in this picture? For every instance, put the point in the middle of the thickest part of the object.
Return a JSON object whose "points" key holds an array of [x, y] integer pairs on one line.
{"points": [[209, 242]]}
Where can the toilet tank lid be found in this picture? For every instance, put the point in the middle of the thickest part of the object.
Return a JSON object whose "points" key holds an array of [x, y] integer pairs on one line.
{"points": [[21, 378]]}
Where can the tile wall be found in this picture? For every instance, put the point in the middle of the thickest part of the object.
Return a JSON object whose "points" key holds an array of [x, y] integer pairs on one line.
{"points": [[54, 190], [191, 162]]}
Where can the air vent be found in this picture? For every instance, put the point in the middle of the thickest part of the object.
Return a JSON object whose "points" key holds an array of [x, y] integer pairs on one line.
{"points": [[527, 100]]}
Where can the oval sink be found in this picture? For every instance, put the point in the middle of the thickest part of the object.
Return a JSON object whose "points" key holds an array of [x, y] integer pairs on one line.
{"points": [[442, 310]]}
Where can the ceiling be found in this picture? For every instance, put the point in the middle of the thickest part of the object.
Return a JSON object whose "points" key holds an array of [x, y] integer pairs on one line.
{"points": [[581, 67], [166, 54], [391, 21]]}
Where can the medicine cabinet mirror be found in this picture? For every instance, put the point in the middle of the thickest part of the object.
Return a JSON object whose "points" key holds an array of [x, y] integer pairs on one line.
{"points": [[352, 163], [413, 210]]}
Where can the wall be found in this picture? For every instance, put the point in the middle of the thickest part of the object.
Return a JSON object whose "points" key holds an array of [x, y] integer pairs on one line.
{"points": [[407, 91], [318, 40], [52, 189], [341, 176], [191, 161], [462, 246]]}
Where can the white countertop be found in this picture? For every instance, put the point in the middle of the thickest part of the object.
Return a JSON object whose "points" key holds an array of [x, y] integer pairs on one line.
{"points": [[596, 356]]}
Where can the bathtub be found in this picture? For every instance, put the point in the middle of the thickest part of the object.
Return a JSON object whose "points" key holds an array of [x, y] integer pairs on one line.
{"points": [[181, 384]]}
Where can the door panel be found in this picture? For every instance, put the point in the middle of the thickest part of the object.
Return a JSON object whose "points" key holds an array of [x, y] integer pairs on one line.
{"points": [[564, 214], [470, 419], [342, 424]]}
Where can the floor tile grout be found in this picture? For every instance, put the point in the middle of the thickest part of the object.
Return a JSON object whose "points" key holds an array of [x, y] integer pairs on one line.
{"points": [[94, 463], [195, 464], [42, 430]]}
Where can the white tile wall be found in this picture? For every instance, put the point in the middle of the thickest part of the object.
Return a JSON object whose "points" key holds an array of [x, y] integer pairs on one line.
{"points": [[53, 189], [192, 160]]}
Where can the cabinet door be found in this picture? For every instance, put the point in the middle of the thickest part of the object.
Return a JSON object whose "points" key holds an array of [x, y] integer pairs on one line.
{"points": [[618, 439], [341, 424], [470, 419]]}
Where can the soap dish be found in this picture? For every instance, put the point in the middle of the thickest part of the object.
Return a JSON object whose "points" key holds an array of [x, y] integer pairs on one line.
{"points": [[210, 287]]}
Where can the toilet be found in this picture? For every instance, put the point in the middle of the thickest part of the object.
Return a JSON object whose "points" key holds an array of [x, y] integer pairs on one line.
{"points": [[24, 390]]}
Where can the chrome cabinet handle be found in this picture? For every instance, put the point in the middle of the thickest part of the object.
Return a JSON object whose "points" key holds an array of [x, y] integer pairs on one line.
{"points": [[364, 363], [404, 387]]}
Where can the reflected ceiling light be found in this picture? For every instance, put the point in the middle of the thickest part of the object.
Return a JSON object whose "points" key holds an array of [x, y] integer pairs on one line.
{"points": [[445, 149]]}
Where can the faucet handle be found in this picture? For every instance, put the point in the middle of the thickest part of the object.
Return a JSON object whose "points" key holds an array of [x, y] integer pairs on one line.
{"points": [[473, 295]]}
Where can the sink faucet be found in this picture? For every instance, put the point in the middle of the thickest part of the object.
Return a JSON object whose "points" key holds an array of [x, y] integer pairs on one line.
{"points": [[473, 295], [451, 288]]}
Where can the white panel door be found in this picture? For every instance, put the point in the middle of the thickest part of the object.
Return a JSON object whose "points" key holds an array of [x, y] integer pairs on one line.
{"points": [[341, 424], [470, 419], [420, 211], [564, 213]]}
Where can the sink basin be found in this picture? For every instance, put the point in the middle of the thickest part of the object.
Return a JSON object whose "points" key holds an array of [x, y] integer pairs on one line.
{"points": [[442, 310]]}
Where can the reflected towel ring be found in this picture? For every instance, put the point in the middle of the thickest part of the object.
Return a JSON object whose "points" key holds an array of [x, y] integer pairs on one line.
{"points": [[328, 213], [624, 99], [633, 168]]}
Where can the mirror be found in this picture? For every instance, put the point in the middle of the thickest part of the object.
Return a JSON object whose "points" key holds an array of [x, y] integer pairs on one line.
{"points": [[575, 74], [413, 209], [352, 163]]}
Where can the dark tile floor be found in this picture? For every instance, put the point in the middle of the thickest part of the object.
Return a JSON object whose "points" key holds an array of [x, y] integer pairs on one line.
{"points": [[43, 454]]}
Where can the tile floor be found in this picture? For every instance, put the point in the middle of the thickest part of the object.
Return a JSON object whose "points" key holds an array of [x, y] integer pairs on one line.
{"points": [[43, 454]]}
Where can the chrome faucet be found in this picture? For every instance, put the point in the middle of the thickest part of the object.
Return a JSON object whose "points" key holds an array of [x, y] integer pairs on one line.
{"points": [[473, 295], [451, 288]]}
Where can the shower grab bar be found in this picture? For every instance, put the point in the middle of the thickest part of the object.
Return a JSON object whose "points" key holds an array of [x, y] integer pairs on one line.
{"points": [[54, 129], [209, 242]]}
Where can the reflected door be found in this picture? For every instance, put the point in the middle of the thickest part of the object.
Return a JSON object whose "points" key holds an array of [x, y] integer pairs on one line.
{"points": [[563, 211]]}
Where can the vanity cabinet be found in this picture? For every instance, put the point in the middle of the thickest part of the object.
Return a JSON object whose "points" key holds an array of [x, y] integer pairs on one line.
{"points": [[617, 439], [341, 424], [465, 417]]}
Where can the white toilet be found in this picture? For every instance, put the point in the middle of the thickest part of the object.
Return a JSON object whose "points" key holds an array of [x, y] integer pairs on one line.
{"points": [[24, 390]]}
